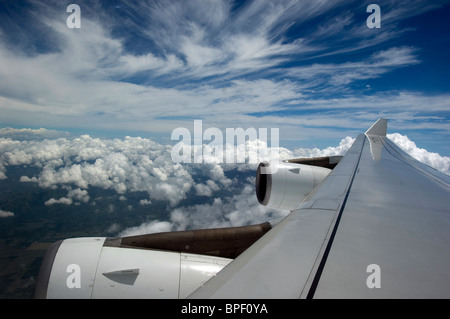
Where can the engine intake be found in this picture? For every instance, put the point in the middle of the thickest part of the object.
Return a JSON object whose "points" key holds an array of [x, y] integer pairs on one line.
{"points": [[285, 185]]}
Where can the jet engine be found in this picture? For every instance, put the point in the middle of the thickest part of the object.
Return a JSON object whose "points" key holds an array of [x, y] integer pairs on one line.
{"points": [[161, 265], [86, 268], [284, 185]]}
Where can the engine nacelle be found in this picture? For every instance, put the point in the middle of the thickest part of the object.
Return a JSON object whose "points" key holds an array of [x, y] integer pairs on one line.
{"points": [[285, 185], [91, 268]]}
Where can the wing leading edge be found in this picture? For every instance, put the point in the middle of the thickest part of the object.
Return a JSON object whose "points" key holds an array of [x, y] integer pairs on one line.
{"points": [[380, 215]]}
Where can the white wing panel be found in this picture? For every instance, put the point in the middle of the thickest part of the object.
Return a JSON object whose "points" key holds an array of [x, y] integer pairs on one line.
{"points": [[397, 218]]}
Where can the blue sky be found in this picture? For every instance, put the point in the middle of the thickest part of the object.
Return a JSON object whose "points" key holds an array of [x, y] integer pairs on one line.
{"points": [[313, 69]]}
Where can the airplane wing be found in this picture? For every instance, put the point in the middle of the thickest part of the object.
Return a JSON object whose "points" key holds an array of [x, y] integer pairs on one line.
{"points": [[372, 224], [377, 227]]}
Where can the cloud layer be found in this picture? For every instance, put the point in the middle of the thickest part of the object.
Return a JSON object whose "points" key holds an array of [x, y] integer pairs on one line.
{"points": [[134, 164]]}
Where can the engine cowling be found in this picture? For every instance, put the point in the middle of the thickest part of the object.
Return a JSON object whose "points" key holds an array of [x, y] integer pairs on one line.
{"points": [[284, 185], [88, 268]]}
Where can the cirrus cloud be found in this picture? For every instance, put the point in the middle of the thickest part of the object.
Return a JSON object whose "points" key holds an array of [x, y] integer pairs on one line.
{"points": [[145, 67]]}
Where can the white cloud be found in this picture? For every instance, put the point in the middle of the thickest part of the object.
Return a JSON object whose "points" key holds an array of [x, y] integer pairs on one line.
{"points": [[2, 171], [237, 210], [79, 194], [114, 228], [343, 147], [62, 200], [30, 134], [225, 64], [5, 213], [74, 195], [148, 228], [206, 189], [144, 202], [441, 163], [243, 207], [26, 179], [332, 76], [137, 164]]}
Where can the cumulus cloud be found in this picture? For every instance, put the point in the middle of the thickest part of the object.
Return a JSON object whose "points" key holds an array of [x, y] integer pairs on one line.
{"points": [[243, 208], [123, 165], [147, 228], [435, 160], [62, 200], [206, 189], [144, 202], [5, 213], [135, 164], [76, 196], [343, 147], [237, 210], [2, 171], [113, 229]]}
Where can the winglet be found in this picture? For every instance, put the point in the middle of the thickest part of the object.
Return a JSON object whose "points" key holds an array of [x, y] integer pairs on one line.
{"points": [[379, 128]]}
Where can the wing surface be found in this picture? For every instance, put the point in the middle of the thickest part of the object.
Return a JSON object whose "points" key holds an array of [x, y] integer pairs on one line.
{"points": [[378, 208]]}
